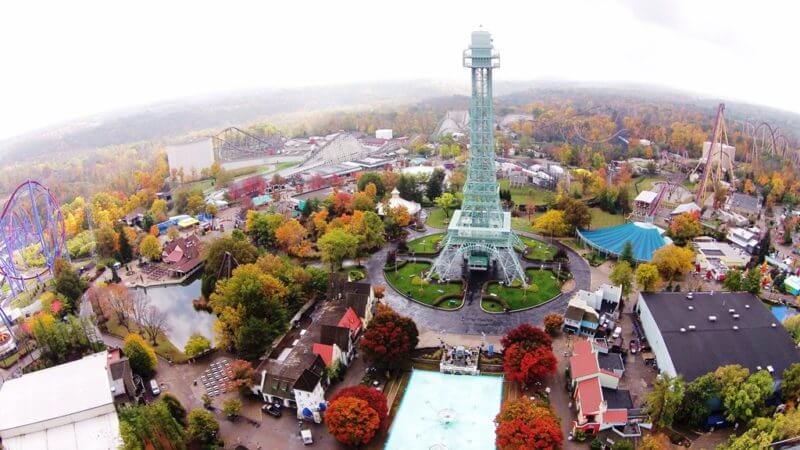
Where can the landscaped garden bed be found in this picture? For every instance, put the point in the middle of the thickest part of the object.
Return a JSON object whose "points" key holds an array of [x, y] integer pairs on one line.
{"points": [[409, 281], [499, 297]]}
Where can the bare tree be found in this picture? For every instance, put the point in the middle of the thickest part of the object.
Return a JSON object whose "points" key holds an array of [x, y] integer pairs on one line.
{"points": [[154, 322], [139, 305], [119, 301]]}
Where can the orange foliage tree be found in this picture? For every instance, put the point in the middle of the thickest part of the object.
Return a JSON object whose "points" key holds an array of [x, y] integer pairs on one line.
{"points": [[522, 424], [352, 421]]}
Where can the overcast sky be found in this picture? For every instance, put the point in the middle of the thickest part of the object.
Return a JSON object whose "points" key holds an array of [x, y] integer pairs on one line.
{"points": [[63, 60]]}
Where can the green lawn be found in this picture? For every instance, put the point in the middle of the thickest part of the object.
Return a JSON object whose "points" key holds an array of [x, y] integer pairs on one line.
{"points": [[644, 183], [528, 195], [402, 281], [602, 219], [426, 244], [518, 298], [524, 223], [437, 218], [540, 251]]}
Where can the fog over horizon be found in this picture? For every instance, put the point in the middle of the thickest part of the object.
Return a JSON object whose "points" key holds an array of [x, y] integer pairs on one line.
{"points": [[109, 57]]}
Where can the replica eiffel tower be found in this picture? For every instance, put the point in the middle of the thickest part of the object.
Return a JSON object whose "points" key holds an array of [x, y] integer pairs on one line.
{"points": [[479, 237]]}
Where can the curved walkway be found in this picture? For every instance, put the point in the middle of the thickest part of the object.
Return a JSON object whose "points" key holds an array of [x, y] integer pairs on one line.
{"points": [[471, 319]]}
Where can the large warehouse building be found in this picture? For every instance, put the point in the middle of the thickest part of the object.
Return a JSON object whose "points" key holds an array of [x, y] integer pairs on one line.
{"points": [[65, 407], [691, 334]]}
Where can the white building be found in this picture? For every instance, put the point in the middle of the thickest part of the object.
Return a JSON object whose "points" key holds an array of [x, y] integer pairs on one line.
{"points": [[65, 407], [395, 201], [746, 239], [192, 157], [383, 134], [716, 258]]}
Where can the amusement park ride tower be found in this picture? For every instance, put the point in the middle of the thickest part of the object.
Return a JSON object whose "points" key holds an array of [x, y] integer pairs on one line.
{"points": [[479, 237]]}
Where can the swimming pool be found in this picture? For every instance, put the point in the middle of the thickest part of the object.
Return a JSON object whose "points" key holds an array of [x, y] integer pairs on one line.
{"points": [[446, 412], [782, 312]]}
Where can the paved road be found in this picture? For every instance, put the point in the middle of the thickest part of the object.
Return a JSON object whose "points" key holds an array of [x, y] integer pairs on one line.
{"points": [[471, 319]]}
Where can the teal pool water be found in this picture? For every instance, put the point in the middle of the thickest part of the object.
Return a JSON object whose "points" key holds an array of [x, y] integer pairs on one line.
{"points": [[782, 312], [450, 412]]}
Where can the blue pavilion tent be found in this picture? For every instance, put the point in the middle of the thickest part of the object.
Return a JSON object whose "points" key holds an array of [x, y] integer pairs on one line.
{"points": [[645, 238]]}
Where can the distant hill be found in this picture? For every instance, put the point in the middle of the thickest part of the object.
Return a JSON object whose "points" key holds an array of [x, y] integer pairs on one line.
{"points": [[168, 121]]}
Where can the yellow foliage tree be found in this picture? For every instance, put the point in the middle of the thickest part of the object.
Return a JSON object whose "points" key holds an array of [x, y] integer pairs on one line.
{"points": [[673, 261], [551, 223]]}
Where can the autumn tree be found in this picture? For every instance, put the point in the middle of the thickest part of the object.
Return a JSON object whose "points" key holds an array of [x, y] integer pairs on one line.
{"points": [[733, 280], [673, 261], [622, 275], [68, 283], [446, 201], [153, 323], [524, 424], [196, 345], [368, 227], [241, 375], [150, 248], [685, 227], [261, 227], [362, 201], [106, 240], [400, 216], [553, 323], [790, 387], [389, 338], [576, 214], [336, 245], [374, 398], [664, 400], [291, 237], [250, 308], [125, 249], [528, 354], [202, 428], [551, 223], [647, 277], [149, 426], [142, 357], [352, 421], [240, 250], [373, 178]]}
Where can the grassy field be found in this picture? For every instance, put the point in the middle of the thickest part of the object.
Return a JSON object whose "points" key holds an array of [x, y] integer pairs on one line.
{"points": [[528, 195], [402, 281], [644, 183], [163, 347], [437, 219], [426, 244], [523, 223], [518, 298], [602, 219], [540, 251]]}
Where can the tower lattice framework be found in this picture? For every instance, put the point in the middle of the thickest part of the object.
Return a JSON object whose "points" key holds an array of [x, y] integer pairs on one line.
{"points": [[479, 234]]}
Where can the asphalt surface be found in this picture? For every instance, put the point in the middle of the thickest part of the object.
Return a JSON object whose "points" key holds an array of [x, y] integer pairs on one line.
{"points": [[471, 319]]}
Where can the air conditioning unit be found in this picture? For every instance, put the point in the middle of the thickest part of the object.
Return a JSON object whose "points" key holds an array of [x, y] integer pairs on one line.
{"points": [[683, 330], [735, 327], [731, 310], [770, 369], [691, 308], [692, 327], [689, 296], [712, 318], [736, 316], [746, 306]]}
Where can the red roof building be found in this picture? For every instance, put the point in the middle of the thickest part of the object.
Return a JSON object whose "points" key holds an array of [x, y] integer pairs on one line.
{"points": [[351, 321], [600, 405]]}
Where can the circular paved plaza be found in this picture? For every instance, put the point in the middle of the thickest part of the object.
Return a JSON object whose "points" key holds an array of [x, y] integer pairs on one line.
{"points": [[471, 319]]}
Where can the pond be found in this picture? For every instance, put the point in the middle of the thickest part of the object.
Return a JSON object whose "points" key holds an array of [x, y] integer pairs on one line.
{"points": [[182, 319]]}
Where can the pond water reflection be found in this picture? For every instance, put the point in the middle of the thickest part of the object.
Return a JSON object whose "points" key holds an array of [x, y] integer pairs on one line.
{"points": [[183, 320]]}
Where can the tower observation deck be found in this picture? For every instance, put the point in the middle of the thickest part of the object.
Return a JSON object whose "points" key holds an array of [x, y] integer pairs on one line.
{"points": [[479, 236]]}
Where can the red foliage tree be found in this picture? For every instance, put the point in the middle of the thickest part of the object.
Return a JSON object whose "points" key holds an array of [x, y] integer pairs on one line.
{"points": [[241, 375], [518, 434], [525, 363], [524, 424], [342, 203], [526, 333], [316, 182], [389, 338], [351, 421], [375, 398]]}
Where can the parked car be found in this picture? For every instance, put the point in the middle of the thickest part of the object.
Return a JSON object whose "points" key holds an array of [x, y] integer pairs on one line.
{"points": [[273, 409], [154, 389], [306, 436]]}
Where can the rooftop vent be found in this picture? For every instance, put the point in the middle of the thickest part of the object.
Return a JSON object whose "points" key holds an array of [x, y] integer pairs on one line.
{"points": [[689, 296], [692, 327], [770, 369], [731, 310], [683, 330], [712, 318], [758, 368], [746, 306], [735, 316], [691, 308], [735, 327], [774, 325], [711, 293]]}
